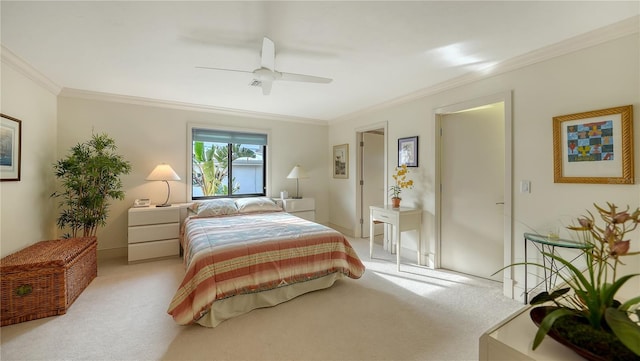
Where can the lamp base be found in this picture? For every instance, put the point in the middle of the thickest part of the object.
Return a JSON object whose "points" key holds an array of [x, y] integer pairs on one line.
{"points": [[163, 205], [296, 197]]}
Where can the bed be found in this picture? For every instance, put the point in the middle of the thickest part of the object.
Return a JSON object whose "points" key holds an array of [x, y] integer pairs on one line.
{"points": [[248, 253]]}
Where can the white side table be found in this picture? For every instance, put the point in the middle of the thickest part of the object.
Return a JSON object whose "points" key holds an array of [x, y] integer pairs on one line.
{"points": [[401, 219], [301, 207]]}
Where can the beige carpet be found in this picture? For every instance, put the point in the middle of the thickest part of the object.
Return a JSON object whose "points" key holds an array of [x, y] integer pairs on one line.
{"points": [[417, 314]]}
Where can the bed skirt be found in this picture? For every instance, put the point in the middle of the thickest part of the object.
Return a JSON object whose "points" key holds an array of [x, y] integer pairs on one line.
{"points": [[240, 304]]}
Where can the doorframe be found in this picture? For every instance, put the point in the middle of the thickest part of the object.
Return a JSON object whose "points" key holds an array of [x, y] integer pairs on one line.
{"points": [[439, 113], [359, 131]]}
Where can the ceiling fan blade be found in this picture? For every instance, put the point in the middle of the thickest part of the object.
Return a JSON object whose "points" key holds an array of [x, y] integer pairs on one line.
{"points": [[266, 87], [304, 78], [266, 74], [221, 69], [268, 59]]}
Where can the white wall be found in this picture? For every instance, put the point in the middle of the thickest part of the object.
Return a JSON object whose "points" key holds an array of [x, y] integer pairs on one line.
{"points": [[596, 77], [27, 214], [147, 135]]}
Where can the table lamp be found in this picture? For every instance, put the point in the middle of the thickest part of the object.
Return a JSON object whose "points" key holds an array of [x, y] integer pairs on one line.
{"points": [[297, 173], [163, 172]]}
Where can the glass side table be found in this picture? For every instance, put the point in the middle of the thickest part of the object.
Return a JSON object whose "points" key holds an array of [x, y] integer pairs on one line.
{"points": [[545, 244]]}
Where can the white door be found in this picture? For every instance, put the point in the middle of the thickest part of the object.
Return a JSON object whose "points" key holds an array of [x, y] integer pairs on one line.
{"points": [[472, 208], [373, 193]]}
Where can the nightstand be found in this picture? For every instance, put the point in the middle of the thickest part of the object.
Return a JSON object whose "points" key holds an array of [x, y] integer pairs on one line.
{"points": [[154, 232], [302, 207]]}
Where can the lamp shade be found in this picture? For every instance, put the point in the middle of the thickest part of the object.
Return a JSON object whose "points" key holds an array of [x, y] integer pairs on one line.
{"points": [[297, 173], [163, 172]]}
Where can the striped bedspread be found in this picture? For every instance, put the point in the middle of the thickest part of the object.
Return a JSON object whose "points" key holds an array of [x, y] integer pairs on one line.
{"points": [[239, 254]]}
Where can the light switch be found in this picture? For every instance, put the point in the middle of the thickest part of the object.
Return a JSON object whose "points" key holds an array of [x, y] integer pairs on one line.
{"points": [[525, 186]]}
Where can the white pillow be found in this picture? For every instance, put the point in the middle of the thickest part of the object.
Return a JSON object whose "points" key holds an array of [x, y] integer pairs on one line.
{"points": [[257, 204], [214, 207]]}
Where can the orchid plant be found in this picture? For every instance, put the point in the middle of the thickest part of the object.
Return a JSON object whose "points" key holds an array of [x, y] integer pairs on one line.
{"points": [[400, 178], [594, 290]]}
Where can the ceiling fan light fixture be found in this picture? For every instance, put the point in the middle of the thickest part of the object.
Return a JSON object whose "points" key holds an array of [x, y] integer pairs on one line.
{"points": [[266, 74]]}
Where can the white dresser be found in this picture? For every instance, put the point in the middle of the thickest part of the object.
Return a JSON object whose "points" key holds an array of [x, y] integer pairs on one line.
{"points": [[302, 207], [153, 232]]}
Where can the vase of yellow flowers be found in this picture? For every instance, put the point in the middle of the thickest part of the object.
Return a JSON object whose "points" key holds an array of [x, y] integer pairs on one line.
{"points": [[401, 182]]}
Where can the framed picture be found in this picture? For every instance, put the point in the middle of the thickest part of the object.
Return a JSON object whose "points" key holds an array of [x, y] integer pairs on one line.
{"points": [[594, 147], [408, 151], [10, 148], [341, 161]]}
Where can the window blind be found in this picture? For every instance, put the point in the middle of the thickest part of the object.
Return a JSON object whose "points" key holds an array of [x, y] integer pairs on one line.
{"points": [[225, 136]]}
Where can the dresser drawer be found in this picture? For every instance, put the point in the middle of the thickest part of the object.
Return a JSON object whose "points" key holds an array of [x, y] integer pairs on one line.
{"points": [[299, 205], [138, 217], [385, 216], [158, 249], [153, 232]]}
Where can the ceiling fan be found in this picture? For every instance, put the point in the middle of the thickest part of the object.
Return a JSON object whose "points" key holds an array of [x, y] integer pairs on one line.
{"points": [[266, 74]]}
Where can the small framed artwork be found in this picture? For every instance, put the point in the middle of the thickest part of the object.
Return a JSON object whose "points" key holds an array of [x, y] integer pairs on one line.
{"points": [[341, 161], [408, 151], [594, 147], [10, 148]]}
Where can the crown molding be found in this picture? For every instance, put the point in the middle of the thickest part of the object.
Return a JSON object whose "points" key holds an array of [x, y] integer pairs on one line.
{"points": [[127, 99], [611, 32], [20, 65], [608, 33]]}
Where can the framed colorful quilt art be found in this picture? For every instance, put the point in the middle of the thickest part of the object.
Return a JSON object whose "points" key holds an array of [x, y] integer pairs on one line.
{"points": [[594, 147]]}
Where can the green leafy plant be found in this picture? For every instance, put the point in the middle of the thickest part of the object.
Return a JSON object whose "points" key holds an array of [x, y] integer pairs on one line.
{"points": [[594, 289], [400, 178], [90, 178], [211, 167]]}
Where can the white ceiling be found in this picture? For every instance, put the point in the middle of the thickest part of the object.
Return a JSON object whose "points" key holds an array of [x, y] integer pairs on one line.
{"points": [[374, 51]]}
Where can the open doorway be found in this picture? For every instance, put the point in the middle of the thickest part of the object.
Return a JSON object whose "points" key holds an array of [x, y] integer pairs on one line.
{"points": [[371, 170]]}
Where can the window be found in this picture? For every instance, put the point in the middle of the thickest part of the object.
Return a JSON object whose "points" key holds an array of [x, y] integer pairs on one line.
{"points": [[228, 163]]}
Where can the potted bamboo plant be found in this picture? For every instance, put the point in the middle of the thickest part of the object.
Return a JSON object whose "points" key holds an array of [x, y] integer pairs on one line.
{"points": [[90, 178]]}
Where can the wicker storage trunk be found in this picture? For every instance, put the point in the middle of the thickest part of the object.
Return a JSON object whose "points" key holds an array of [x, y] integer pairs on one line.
{"points": [[44, 279]]}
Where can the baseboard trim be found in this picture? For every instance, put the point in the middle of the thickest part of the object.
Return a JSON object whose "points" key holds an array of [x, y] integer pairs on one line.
{"points": [[347, 232], [111, 253]]}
